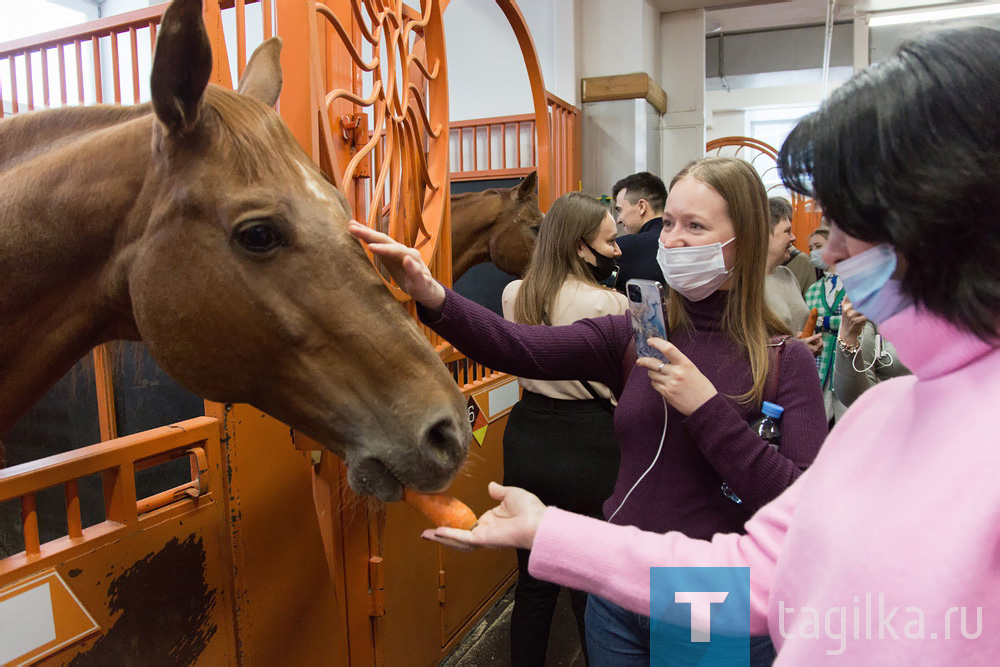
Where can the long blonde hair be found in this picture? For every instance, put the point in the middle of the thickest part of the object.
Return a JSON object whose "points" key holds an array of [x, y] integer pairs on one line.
{"points": [[747, 319], [572, 217]]}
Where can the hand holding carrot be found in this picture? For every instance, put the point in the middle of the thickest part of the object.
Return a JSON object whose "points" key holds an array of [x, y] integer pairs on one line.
{"points": [[513, 523]]}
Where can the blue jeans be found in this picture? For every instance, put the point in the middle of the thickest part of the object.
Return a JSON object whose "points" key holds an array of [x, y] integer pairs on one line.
{"points": [[619, 637]]}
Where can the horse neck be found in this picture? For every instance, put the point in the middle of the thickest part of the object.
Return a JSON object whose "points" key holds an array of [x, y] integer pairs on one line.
{"points": [[63, 229], [472, 219]]}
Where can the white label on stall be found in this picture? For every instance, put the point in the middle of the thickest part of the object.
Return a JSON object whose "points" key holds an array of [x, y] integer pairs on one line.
{"points": [[26, 622], [503, 398]]}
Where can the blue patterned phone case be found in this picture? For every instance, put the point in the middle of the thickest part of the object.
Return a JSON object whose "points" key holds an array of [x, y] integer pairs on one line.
{"points": [[648, 315]]}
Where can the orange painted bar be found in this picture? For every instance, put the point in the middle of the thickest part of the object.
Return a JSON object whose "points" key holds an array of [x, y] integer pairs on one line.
{"points": [[78, 48], [134, 46], [45, 78], [152, 25], [74, 525], [26, 478], [13, 84], [267, 10], [62, 73], [241, 38], [29, 522], [115, 68], [98, 84], [31, 84]]}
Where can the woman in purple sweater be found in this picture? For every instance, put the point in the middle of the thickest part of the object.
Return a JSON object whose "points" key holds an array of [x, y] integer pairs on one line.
{"points": [[885, 552], [683, 430]]}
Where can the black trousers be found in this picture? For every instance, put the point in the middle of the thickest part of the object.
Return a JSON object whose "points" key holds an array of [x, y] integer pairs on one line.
{"points": [[566, 453]]}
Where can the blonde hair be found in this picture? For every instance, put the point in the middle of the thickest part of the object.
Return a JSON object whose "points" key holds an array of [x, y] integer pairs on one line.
{"points": [[747, 319], [571, 218]]}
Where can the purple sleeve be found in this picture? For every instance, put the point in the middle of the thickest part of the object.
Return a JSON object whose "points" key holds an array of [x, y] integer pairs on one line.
{"points": [[755, 471], [588, 349]]}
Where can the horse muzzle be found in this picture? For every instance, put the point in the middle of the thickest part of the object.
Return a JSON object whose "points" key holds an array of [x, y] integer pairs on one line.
{"points": [[427, 463]]}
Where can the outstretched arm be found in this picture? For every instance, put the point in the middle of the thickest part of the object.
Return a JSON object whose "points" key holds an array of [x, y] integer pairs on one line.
{"points": [[613, 561], [589, 349]]}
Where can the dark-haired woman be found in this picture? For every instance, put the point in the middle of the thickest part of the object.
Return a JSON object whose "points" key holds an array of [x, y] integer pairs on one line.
{"points": [[560, 441], [690, 461], [885, 552]]}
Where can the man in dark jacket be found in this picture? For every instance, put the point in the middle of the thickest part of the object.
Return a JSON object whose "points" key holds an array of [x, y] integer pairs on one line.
{"points": [[639, 201]]}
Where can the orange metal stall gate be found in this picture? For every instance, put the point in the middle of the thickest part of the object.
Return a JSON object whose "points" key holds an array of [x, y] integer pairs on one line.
{"points": [[262, 554]]}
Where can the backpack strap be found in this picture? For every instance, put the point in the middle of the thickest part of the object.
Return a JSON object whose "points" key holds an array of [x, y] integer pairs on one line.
{"points": [[774, 349]]}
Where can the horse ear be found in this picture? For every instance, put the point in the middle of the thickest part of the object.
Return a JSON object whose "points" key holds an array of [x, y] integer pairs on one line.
{"points": [[182, 66], [527, 187], [262, 77]]}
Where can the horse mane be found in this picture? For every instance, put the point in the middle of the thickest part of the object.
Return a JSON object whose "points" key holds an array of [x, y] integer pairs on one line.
{"points": [[257, 151]]}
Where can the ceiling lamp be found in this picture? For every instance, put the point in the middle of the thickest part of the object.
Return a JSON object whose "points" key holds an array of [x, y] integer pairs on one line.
{"points": [[964, 11]]}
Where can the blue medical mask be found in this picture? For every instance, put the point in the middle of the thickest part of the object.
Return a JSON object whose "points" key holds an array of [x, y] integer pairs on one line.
{"points": [[816, 259], [868, 280]]}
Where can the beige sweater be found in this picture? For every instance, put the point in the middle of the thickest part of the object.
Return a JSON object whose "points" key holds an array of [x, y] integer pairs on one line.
{"points": [[784, 296], [575, 301]]}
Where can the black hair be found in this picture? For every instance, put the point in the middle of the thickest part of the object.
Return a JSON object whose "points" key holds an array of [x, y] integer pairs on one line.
{"points": [[643, 185], [908, 153], [780, 208]]}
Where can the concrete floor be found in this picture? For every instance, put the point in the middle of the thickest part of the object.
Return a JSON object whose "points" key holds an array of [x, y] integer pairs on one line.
{"points": [[488, 645]]}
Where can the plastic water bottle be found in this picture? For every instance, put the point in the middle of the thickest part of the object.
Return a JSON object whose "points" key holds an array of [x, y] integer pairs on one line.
{"points": [[769, 430], [767, 427]]}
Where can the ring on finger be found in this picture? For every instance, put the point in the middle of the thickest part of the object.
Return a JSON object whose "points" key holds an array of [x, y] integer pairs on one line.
{"points": [[659, 369]]}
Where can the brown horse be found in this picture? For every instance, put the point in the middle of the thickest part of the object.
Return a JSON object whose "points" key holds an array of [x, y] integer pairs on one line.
{"points": [[497, 225], [198, 225]]}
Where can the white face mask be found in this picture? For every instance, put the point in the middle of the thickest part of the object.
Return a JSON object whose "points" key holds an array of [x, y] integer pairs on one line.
{"points": [[696, 272]]}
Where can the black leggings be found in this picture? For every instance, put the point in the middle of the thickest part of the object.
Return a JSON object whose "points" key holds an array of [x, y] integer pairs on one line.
{"points": [[566, 453]]}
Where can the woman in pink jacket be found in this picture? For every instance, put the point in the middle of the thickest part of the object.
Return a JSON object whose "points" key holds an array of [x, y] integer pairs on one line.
{"points": [[887, 550]]}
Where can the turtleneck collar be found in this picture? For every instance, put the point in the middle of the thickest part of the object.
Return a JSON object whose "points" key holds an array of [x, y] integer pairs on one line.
{"points": [[929, 345], [707, 313]]}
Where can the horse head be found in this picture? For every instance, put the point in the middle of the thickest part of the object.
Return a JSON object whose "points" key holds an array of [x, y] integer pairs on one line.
{"points": [[512, 238], [246, 286]]}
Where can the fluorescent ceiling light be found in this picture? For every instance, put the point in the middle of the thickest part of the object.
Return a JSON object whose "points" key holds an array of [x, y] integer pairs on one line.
{"points": [[933, 15]]}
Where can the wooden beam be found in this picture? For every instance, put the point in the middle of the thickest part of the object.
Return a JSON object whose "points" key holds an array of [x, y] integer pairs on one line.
{"points": [[625, 87]]}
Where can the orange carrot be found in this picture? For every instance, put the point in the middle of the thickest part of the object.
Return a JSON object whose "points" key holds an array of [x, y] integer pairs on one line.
{"points": [[810, 326], [442, 510]]}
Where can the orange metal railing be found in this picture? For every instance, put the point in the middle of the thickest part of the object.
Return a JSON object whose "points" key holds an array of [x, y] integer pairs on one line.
{"points": [[108, 60], [116, 461], [506, 147]]}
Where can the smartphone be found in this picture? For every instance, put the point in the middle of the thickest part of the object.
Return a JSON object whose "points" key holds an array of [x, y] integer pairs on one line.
{"points": [[646, 305]]}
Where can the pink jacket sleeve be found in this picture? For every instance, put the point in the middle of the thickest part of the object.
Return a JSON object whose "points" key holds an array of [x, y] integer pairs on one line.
{"points": [[613, 561]]}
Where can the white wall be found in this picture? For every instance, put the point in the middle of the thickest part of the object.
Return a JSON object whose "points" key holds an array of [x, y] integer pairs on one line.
{"points": [[485, 67], [114, 7]]}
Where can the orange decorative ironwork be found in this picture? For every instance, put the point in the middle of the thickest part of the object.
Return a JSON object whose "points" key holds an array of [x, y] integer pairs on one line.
{"points": [[806, 214], [406, 98]]}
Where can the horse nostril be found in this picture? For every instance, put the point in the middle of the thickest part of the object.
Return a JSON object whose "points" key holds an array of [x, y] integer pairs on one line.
{"points": [[442, 439]]}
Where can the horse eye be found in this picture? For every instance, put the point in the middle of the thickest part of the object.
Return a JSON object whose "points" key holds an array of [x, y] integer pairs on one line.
{"points": [[534, 230], [259, 236]]}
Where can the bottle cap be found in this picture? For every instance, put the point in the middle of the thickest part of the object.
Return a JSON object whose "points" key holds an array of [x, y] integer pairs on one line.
{"points": [[772, 409]]}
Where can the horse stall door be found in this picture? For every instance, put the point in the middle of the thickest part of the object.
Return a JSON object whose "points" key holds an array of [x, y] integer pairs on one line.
{"points": [[194, 543], [149, 584], [410, 601]]}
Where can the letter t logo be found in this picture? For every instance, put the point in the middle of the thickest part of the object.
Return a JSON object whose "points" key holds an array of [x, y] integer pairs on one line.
{"points": [[701, 611]]}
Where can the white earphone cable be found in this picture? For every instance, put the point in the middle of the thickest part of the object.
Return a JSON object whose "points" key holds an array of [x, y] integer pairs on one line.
{"points": [[655, 458]]}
